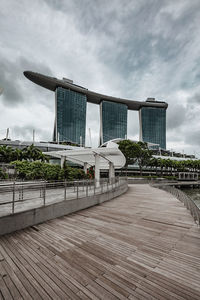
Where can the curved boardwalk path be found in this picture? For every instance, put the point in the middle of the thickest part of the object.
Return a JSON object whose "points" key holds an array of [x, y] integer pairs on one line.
{"points": [[142, 245]]}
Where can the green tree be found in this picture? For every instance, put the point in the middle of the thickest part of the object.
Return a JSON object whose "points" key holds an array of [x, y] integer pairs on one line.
{"points": [[130, 150], [3, 175], [135, 152], [40, 170], [32, 153], [143, 155], [6, 153], [154, 163]]}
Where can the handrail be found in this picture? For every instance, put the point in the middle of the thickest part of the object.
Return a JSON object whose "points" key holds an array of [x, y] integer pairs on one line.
{"points": [[187, 200], [18, 196]]}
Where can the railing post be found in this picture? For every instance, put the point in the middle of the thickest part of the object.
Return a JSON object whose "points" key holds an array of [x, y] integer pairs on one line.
{"points": [[65, 192], [87, 189], [44, 193], [74, 187], [21, 192], [77, 190], [13, 200]]}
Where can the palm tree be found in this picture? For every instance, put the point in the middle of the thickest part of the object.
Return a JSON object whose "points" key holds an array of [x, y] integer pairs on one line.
{"points": [[154, 163], [6, 153]]}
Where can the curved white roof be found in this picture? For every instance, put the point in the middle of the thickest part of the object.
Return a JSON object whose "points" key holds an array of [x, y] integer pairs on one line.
{"points": [[111, 153]]}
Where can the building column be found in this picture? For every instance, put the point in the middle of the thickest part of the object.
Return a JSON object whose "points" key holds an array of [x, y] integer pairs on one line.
{"points": [[97, 169], [111, 172], [85, 167]]}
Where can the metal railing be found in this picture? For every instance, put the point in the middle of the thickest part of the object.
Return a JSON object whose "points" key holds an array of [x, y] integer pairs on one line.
{"points": [[188, 202], [21, 196]]}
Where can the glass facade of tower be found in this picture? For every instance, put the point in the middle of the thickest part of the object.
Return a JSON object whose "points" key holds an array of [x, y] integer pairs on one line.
{"points": [[113, 121], [153, 122], [70, 116]]}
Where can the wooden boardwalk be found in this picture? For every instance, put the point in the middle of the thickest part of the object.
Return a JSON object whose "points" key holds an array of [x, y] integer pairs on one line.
{"points": [[142, 245]]}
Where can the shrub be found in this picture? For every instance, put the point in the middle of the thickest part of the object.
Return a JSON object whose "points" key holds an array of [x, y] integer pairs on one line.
{"points": [[40, 170], [3, 175]]}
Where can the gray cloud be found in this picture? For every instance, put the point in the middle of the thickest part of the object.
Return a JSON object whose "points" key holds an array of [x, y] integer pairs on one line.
{"points": [[193, 137], [176, 116], [25, 132], [10, 83], [13, 80], [147, 48], [194, 99]]}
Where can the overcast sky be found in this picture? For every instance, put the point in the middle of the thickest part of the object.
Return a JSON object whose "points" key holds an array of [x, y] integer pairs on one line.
{"points": [[133, 49]]}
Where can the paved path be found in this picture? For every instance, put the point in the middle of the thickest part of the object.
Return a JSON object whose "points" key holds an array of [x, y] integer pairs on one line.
{"points": [[142, 245]]}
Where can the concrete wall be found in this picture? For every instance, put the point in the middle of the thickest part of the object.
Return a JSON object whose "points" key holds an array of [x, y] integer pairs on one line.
{"points": [[35, 216], [146, 180], [137, 180]]}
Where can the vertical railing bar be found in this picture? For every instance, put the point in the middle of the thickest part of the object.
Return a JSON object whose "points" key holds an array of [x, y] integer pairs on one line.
{"points": [[65, 190], [13, 200], [44, 193], [186, 200]]}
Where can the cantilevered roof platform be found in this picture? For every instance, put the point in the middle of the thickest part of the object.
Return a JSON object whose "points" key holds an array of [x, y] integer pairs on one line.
{"points": [[52, 83]]}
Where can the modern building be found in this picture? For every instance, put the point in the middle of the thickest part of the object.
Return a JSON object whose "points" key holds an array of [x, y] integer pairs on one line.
{"points": [[70, 113], [113, 121], [153, 125], [43, 146], [70, 117]]}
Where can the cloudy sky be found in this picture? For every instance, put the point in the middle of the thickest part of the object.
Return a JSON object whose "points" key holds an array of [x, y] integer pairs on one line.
{"points": [[133, 49]]}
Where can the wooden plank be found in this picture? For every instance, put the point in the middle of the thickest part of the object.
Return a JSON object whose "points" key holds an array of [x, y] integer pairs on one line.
{"points": [[26, 271], [52, 273], [168, 284], [100, 292], [4, 291], [132, 247], [112, 288], [18, 284]]}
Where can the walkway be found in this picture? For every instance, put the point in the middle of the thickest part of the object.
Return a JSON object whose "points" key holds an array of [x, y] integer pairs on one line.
{"points": [[142, 245]]}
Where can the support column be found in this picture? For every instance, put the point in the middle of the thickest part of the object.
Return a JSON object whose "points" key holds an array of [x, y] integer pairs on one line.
{"points": [[97, 169], [140, 125], [62, 160], [111, 172], [85, 168]]}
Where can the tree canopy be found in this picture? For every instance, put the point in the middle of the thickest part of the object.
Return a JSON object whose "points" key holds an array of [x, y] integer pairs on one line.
{"points": [[30, 153], [40, 170], [135, 152]]}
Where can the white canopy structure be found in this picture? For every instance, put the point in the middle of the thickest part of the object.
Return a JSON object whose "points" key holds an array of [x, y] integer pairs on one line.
{"points": [[109, 157]]}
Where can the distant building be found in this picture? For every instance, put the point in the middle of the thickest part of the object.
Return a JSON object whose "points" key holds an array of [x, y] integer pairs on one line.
{"points": [[70, 116], [153, 125], [70, 113], [43, 146], [113, 121]]}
